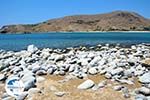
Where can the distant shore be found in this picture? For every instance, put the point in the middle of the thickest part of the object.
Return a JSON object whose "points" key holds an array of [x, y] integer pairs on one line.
{"points": [[81, 32]]}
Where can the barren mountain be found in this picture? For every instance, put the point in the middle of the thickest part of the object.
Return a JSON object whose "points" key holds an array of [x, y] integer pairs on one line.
{"points": [[114, 21]]}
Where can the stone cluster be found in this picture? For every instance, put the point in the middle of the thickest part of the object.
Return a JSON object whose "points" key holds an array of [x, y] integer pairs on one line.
{"points": [[118, 64]]}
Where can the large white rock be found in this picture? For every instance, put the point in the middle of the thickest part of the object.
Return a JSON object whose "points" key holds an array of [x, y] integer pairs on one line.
{"points": [[32, 48], [144, 90], [86, 85], [145, 78]]}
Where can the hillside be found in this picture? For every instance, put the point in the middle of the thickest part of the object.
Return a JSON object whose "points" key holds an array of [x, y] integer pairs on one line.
{"points": [[114, 21]]}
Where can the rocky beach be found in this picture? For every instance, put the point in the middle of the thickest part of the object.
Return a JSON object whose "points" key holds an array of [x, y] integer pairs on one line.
{"points": [[101, 72]]}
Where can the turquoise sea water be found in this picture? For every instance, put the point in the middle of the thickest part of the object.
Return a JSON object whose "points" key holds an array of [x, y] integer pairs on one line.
{"points": [[62, 40]]}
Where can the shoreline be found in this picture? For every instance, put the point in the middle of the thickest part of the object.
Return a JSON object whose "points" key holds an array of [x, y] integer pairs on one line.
{"points": [[81, 32], [87, 47]]}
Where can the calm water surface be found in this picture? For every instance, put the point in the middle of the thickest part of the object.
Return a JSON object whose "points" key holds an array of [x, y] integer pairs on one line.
{"points": [[62, 40]]}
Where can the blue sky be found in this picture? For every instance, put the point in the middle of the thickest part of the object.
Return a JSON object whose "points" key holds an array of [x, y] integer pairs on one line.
{"points": [[33, 11]]}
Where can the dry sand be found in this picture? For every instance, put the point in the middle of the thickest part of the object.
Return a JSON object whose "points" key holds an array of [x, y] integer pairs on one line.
{"points": [[72, 93]]}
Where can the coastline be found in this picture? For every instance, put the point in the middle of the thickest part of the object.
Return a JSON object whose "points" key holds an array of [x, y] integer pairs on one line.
{"points": [[80, 32]]}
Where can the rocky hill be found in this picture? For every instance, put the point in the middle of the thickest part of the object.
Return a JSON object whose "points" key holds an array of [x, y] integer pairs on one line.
{"points": [[114, 21]]}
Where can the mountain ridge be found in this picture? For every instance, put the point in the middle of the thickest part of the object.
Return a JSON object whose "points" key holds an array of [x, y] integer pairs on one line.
{"points": [[113, 21]]}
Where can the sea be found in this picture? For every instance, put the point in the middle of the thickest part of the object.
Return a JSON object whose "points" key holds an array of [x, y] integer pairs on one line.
{"points": [[16, 42]]}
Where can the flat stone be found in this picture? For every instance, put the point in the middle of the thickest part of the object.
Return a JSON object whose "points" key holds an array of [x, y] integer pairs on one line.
{"points": [[86, 84]]}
